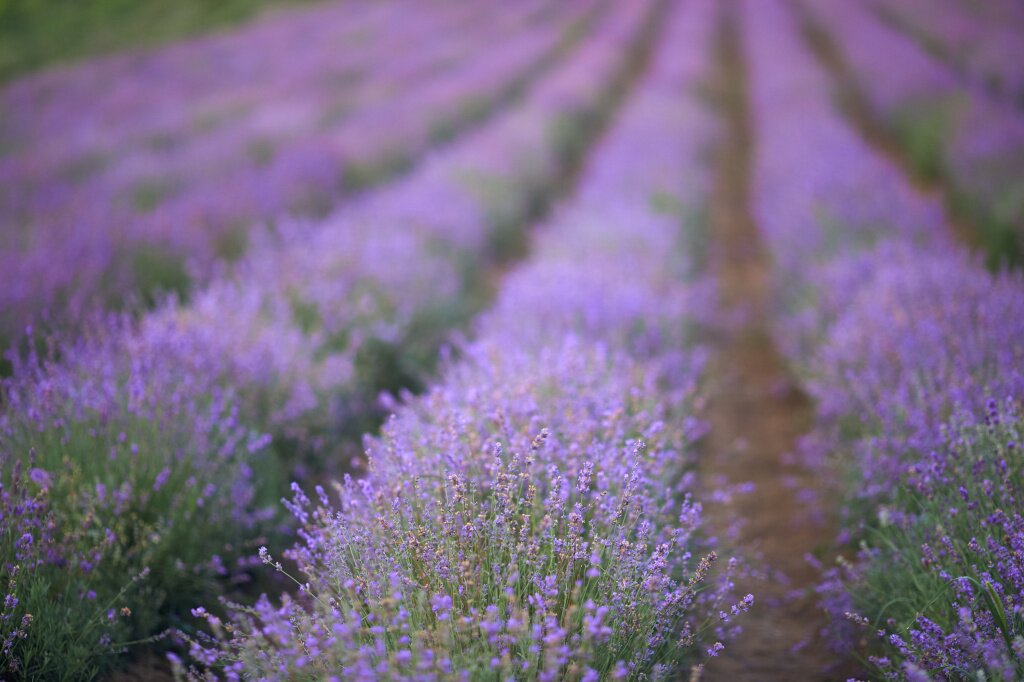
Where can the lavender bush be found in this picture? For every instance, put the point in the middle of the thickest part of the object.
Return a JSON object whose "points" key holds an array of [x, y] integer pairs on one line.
{"points": [[570, 558], [50, 580], [127, 485], [941, 582], [941, 340]]}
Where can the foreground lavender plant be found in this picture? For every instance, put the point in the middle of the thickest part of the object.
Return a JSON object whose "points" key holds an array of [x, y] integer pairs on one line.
{"points": [[950, 545], [512, 566], [903, 379], [550, 554]]}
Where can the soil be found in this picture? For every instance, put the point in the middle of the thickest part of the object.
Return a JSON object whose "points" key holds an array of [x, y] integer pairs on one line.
{"points": [[756, 414], [149, 667]]}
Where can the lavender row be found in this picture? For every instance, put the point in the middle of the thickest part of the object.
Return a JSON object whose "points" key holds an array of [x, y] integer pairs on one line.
{"points": [[986, 49], [903, 339], [813, 207], [334, 52], [512, 523], [151, 216], [136, 443], [202, 67], [960, 133], [209, 201], [118, 108], [295, 325]]}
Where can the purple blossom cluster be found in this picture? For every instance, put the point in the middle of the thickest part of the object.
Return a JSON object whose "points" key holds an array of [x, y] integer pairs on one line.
{"points": [[129, 176], [903, 339], [530, 516], [148, 427], [952, 129]]}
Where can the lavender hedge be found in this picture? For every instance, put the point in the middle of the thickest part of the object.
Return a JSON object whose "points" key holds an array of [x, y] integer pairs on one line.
{"points": [[948, 129], [980, 41], [132, 193], [903, 339]]}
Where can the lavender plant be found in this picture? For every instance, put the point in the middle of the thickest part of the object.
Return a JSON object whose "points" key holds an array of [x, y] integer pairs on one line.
{"points": [[945, 345], [59, 618], [134, 468], [477, 547]]}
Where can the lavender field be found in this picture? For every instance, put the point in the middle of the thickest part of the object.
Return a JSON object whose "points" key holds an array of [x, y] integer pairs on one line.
{"points": [[450, 340]]}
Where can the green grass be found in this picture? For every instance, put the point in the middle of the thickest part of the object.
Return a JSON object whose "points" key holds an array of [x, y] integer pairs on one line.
{"points": [[39, 33], [159, 272], [924, 129]]}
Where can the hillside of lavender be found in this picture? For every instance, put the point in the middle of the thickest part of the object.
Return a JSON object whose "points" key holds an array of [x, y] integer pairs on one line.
{"points": [[480, 340]]}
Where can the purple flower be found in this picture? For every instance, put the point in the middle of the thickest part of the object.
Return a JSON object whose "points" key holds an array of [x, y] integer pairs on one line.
{"points": [[40, 477]]}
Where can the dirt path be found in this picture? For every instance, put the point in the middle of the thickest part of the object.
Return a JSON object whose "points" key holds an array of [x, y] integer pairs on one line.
{"points": [[756, 413]]}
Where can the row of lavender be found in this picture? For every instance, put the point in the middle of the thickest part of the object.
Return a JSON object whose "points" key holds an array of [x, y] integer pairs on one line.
{"points": [[951, 130], [982, 40], [913, 352], [133, 197], [529, 517], [141, 449]]}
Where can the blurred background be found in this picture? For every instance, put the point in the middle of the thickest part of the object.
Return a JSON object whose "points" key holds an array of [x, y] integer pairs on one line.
{"points": [[39, 33]]}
